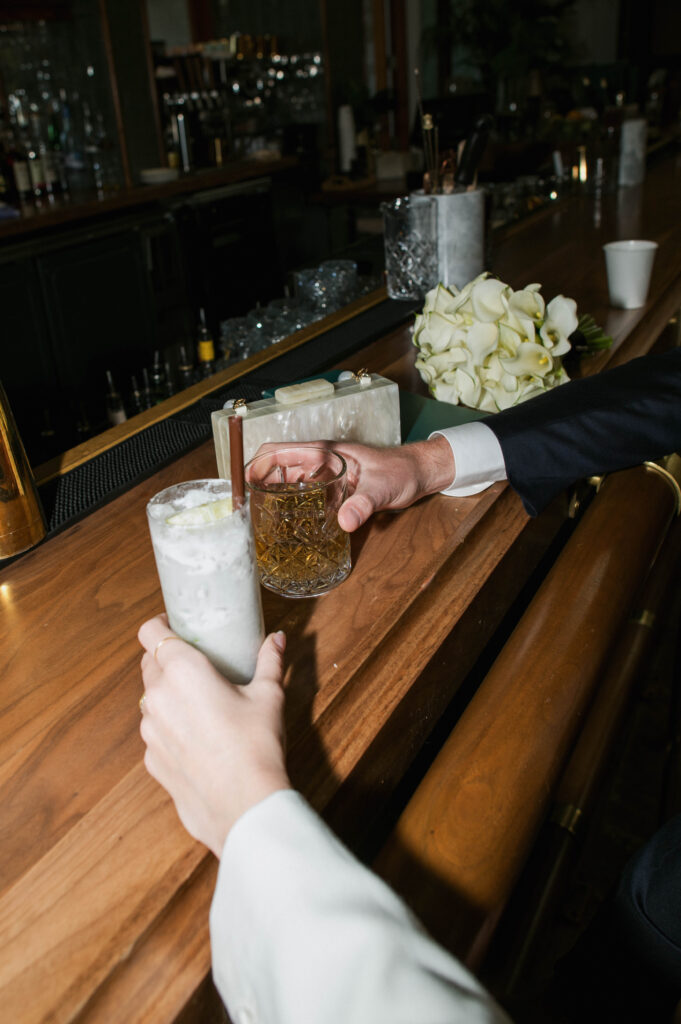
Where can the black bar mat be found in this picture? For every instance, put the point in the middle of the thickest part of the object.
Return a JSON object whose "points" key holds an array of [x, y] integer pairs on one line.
{"points": [[72, 496]]}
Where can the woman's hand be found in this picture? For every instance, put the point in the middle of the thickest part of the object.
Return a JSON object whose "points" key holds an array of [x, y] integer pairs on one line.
{"points": [[217, 748]]}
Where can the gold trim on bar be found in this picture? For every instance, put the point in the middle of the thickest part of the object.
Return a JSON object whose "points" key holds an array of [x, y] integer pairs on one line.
{"points": [[69, 460]]}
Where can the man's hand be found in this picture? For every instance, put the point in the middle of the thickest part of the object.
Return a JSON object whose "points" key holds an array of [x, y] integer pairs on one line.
{"points": [[385, 478], [217, 748], [392, 478]]}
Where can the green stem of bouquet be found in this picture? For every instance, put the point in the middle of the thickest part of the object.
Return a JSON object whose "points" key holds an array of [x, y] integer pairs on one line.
{"points": [[594, 337]]}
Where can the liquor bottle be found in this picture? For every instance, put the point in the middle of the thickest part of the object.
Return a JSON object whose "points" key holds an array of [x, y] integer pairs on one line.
{"points": [[51, 155], [8, 192], [48, 435], [34, 146], [83, 426], [36, 170], [205, 348], [16, 164], [185, 369], [72, 143], [158, 379], [170, 133], [47, 122], [115, 410], [135, 402], [169, 386], [147, 392]]}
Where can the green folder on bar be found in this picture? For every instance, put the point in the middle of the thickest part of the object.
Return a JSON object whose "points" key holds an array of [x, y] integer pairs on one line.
{"points": [[420, 416]]}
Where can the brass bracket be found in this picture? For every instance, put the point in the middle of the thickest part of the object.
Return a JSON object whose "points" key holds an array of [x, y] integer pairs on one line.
{"points": [[669, 468], [643, 617], [567, 816], [577, 496]]}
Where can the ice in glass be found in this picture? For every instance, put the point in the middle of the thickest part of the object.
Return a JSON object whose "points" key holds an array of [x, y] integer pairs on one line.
{"points": [[208, 571]]}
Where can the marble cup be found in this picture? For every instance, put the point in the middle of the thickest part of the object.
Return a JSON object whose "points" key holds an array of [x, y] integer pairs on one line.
{"points": [[460, 236]]}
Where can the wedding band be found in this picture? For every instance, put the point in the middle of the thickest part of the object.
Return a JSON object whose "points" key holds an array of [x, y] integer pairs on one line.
{"points": [[162, 642], [141, 703]]}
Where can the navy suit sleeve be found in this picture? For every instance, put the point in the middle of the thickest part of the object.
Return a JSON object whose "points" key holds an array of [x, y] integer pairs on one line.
{"points": [[609, 421]]}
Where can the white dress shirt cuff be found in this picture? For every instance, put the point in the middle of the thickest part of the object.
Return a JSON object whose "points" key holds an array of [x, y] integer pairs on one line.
{"points": [[478, 458]]}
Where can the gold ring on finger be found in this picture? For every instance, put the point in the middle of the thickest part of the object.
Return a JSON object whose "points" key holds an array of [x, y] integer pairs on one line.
{"points": [[161, 643]]}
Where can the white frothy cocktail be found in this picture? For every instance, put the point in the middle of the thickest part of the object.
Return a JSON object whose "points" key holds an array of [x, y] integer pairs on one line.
{"points": [[206, 563]]}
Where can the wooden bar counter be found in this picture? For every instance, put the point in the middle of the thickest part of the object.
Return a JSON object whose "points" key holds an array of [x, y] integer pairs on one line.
{"points": [[103, 896]]}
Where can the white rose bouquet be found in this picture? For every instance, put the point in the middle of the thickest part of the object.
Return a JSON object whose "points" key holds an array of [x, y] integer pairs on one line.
{"points": [[489, 347]]}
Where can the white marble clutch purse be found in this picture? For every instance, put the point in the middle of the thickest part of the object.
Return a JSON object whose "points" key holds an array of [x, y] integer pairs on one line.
{"points": [[365, 408]]}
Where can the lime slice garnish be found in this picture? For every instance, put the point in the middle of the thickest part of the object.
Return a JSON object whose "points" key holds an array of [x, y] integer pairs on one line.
{"points": [[202, 515]]}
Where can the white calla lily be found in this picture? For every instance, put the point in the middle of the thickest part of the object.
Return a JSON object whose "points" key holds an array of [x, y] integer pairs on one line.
{"points": [[502, 398], [527, 303], [514, 331], [462, 295], [487, 402], [446, 391], [440, 300], [486, 299], [489, 347], [433, 331], [530, 359], [444, 361], [530, 390], [561, 320], [561, 348], [494, 375], [467, 387], [482, 340], [428, 372]]}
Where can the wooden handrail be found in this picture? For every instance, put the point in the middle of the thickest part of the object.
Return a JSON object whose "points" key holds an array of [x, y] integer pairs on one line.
{"points": [[458, 847], [578, 788]]}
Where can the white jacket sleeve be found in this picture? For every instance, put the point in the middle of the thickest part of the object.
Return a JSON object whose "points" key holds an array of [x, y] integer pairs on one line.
{"points": [[302, 933]]}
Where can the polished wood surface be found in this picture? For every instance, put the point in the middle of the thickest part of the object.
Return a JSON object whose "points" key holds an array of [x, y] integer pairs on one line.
{"points": [[92, 852], [103, 896]]}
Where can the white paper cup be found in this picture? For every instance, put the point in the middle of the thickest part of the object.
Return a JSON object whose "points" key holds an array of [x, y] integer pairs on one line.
{"points": [[629, 265]]}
